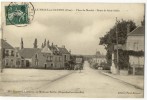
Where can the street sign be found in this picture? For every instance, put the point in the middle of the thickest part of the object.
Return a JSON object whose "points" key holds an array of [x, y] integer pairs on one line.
{"points": [[119, 46]]}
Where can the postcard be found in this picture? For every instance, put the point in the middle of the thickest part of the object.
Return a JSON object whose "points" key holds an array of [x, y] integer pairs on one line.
{"points": [[80, 50]]}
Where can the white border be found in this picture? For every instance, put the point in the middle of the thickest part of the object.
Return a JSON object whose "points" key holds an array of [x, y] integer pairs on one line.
{"points": [[98, 1]]}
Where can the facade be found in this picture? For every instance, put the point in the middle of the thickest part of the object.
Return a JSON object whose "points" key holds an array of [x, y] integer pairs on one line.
{"points": [[48, 57], [136, 42], [7, 54]]}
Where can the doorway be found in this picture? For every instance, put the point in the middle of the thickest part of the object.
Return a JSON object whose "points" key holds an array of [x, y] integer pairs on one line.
{"points": [[27, 63], [45, 65]]}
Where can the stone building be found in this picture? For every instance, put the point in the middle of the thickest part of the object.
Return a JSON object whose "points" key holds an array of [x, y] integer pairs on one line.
{"points": [[48, 57]]}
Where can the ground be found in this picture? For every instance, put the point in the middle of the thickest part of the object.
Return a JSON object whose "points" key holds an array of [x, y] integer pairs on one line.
{"points": [[64, 83]]}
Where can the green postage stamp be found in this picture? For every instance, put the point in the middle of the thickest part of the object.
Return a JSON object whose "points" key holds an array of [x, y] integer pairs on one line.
{"points": [[16, 14]]}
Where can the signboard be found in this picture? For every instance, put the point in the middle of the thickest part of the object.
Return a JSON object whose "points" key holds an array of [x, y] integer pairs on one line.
{"points": [[119, 46]]}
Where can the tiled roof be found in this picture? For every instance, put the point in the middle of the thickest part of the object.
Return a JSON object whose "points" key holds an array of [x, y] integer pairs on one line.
{"points": [[138, 31], [6, 45], [28, 52], [46, 50], [63, 50], [55, 50]]}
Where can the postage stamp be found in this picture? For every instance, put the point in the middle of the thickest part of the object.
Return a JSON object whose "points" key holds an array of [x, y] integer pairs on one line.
{"points": [[18, 14]]}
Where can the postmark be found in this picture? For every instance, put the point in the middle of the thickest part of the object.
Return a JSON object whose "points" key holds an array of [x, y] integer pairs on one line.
{"points": [[19, 14]]}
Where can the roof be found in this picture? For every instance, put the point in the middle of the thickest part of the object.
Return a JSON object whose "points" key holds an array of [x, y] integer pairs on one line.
{"points": [[139, 31], [28, 52], [46, 50], [63, 50], [99, 56], [6, 45]]}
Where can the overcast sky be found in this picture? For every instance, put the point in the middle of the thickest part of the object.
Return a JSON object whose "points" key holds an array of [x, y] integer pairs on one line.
{"points": [[79, 31]]}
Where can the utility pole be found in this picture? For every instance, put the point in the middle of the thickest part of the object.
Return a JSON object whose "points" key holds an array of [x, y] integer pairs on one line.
{"points": [[133, 62], [117, 67]]}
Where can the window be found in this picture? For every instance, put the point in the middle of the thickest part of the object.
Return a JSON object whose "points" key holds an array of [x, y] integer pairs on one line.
{"points": [[64, 57], [36, 56], [49, 58], [7, 53], [12, 53], [16, 54]]}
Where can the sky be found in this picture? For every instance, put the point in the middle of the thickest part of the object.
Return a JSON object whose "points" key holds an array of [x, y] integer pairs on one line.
{"points": [[79, 30]]}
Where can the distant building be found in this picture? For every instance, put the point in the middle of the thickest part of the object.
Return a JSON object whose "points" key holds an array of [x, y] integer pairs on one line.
{"points": [[98, 58]]}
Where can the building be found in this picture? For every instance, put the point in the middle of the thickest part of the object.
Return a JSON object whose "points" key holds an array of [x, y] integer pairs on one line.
{"points": [[98, 58], [135, 42], [7, 54], [48, 57]]}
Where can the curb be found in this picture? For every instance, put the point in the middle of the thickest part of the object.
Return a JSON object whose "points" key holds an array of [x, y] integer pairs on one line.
{"points": [[138, 87]]}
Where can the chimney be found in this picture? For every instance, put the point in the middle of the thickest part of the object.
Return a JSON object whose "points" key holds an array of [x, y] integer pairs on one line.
{"points": [[21, 44], [128, 28], [143, 22]]}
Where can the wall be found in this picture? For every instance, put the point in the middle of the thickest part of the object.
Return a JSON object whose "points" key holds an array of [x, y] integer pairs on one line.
{"points": [[135, 43], [58, 61], [41, 60]]}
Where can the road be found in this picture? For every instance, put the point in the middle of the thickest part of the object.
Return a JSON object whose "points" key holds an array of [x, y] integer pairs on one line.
{"points": [[87, 83]]}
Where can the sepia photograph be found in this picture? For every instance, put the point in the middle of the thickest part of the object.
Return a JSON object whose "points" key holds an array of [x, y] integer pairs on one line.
{"points": [[72, 50]]}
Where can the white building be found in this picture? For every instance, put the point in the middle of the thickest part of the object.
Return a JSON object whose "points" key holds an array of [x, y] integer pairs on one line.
{"points": [[99, 58], [135, 42]]}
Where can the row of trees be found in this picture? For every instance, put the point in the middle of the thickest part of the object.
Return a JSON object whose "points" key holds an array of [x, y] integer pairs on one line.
{"points": [[43, 44], [110, 39], [35, 44]]}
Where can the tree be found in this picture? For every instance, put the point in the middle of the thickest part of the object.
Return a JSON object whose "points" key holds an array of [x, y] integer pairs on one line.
{"points": [[44, 42], [48, 43], [21, 43], [109, 39], [42, 46], [35, 43]]}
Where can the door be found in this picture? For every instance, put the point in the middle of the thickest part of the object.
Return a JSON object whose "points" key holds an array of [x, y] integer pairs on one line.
{"points": [[27, 63], [45, 66]]}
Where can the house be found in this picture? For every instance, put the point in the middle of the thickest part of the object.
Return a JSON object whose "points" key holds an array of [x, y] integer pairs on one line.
{"points": [[7, 53], [48, 57], [23, 57], [135, 42], [65, 55]]}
